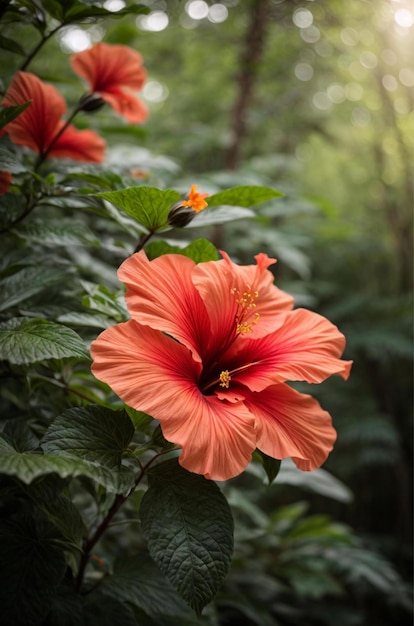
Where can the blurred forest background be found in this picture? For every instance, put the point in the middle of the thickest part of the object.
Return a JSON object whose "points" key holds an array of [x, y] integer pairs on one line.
{"points": [[314, 98]]}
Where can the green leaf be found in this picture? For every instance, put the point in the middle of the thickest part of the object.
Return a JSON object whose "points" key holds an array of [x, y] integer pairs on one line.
{"points": [[67, 608], [188, 526], [27, 466], [12, 46], [199, 250], [319, 481], [92, 433], [27, 282], [243, 196], [271, 466], [59, 510], [31, 568], [55, 8], [139, 419], [223, 214], [8, 114], [101, 299], [103, 610], [148, 206], [9, 162], [80, 12], [26, 340], [138, 581], [62, 233]]}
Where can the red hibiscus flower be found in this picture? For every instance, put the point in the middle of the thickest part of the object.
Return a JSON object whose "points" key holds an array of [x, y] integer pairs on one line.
{"points": [[5, 181], [113, 72], [41, 122], [208, 352]]}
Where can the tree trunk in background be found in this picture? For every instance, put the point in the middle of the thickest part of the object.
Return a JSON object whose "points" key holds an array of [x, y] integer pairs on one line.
{"points": [[248, 68]]}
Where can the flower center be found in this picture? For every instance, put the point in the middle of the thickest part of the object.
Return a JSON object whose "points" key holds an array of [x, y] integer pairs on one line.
{"points": [[246, 305], [225, 379]]}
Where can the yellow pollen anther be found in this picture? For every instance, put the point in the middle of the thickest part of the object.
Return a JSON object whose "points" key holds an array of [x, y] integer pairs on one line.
{"points": [[247, 327], [225, 379], [246, 302]]}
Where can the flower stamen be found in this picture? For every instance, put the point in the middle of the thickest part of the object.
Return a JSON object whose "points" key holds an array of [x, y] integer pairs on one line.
{"points": [[246, 305], [225, 379]]}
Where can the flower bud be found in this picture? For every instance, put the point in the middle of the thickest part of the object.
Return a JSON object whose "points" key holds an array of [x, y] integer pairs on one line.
{"points": [[90, 102], [179, 215]]}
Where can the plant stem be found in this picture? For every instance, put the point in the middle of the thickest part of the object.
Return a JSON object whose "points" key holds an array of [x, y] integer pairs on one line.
{"points": [[42, 157], [143, 240], [38, 47], [116, 505]]}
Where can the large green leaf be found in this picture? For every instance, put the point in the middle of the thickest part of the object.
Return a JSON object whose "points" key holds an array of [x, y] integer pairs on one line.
{"points": [[148, 206], [27, 282], [9, 162], [31, 568], [59, 233], [8, 114], [319, 481], [26, 340], [271, 466], [199, 250], [138, 581], [27, 466], [220, 215], [188, 526], [103, 610], [92, 433], [243, 196]]}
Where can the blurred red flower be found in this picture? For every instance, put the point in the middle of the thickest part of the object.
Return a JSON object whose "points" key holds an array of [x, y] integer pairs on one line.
{"points": [[41, 122], [208, 352], [114, 72], [5, 181]]}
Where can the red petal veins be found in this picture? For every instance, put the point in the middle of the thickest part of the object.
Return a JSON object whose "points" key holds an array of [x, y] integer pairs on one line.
{"points": [[111, 71], [153, 373], [291, 425], [160, 294], [306, 347], [38, 124]]}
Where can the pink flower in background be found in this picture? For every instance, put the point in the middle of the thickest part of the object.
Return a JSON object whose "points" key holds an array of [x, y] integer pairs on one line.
{"points": [[39, 124], [114, 72], [208, 352]]}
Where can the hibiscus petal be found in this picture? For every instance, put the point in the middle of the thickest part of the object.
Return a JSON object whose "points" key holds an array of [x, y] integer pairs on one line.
{"points": [[223, 285], [127, 105], [307, 347], [110, 71], [79, 145], [105, 66], [291, 424], [38, 124], [160, 294], [5, 181], [153, 373]]}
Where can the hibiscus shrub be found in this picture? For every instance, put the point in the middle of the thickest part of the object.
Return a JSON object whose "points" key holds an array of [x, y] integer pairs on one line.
{"points": [[186, 379]]}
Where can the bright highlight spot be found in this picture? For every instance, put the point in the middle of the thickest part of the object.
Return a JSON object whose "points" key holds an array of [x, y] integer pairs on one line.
{"points": [[310, 34], [155, 21], [218, 13], [198, 9], [390, 82], [406, 77], [302, 18], [74, 39], [303, 71], [114, 5], [154, 91], [404, 18], [321, 101]]}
